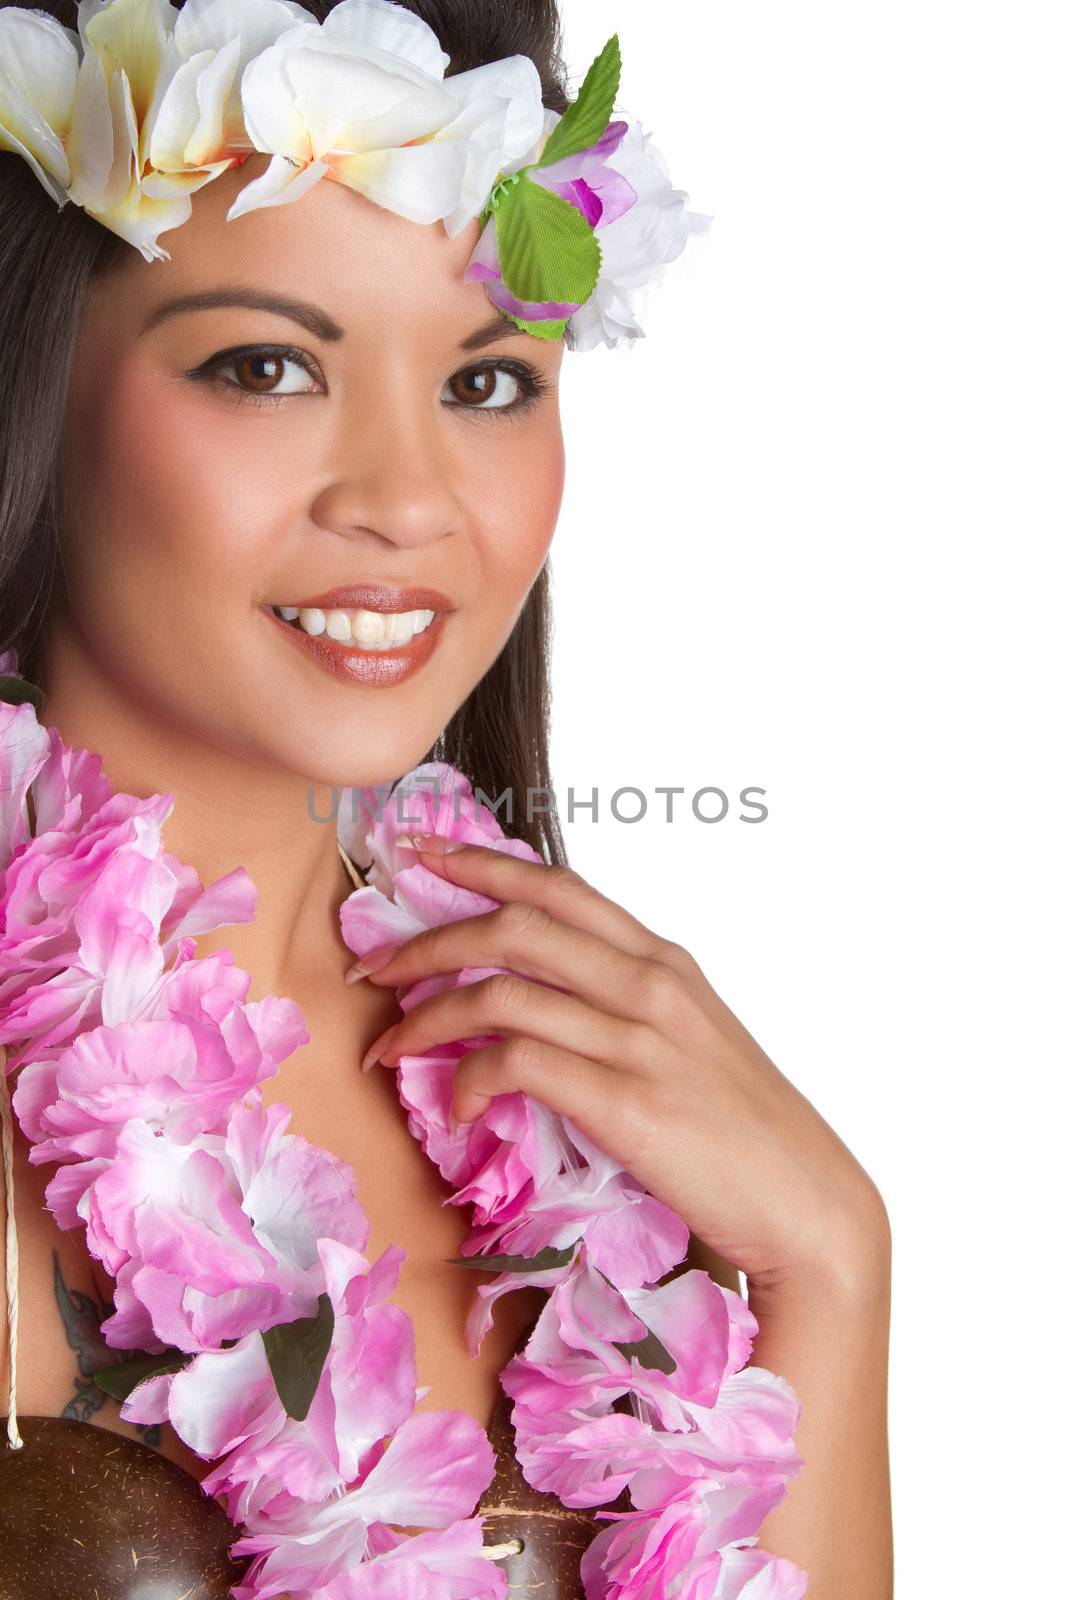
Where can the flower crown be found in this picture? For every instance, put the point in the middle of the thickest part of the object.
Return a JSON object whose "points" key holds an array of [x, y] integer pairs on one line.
{"points": [[144, 104]]}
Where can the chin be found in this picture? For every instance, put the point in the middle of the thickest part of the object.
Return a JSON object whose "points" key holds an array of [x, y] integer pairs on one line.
{"points": [[352, 756]]}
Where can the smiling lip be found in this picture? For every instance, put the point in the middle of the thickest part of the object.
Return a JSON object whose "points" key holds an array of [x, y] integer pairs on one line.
{"points": [[374, 669], [375, 597]]}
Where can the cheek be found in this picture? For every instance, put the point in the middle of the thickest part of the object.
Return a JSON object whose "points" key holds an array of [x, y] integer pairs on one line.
{"points": [[168, 500], [516, 514]]}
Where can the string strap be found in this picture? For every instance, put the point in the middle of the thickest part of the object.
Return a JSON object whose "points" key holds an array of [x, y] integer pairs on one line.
{"points": [[11, 1256]]}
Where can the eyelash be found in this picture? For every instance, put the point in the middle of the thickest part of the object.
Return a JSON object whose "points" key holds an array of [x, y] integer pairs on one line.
{"points": [[533, 385]]}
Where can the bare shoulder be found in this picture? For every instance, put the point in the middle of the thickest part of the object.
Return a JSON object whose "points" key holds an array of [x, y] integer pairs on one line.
{"points": [[63, 1297]]}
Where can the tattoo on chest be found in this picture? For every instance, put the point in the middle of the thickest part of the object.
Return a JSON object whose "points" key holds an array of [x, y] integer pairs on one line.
{"points": [[81, 1316]]}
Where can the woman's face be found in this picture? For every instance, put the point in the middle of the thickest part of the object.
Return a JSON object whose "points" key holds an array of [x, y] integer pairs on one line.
{"points": [[222, 463]]}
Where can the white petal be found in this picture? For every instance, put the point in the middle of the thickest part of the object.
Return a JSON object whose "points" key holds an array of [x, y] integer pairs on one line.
{"points": [[280, 183], [479, 130], [37, 93], [517, 82], [175, 114], [102, 145], [42, 59], [236, 34], [549, 120], [656, 227], [350, 105], [134, 35], [219, 1394], [220, 129], [51, 169], [421, 183], [607, 318], [89, 144], [270, 114], [206, 25], [170, 63], [379, 25], [141, 219], [124, 168], [499, 119], [187, 180], [87, 10]]}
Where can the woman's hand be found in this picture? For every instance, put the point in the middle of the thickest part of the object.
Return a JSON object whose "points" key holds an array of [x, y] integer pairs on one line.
{"points": [[637, 1049]]}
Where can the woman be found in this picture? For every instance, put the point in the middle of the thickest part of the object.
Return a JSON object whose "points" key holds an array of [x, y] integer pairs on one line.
{"points": [[206, 456]]}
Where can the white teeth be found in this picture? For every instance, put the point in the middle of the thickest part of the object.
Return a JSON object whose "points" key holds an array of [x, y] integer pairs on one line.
{"points": [[312, 621], [367, 630]]}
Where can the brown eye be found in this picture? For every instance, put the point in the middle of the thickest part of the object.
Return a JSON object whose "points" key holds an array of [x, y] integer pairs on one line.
{"points": [[484, 388], [259, 372]]}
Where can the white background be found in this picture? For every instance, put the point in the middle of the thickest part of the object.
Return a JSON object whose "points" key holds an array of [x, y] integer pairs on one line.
{"points": [[811, 541]]}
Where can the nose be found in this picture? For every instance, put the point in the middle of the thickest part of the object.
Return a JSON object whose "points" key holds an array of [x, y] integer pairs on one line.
{"points": [[393, 478]]}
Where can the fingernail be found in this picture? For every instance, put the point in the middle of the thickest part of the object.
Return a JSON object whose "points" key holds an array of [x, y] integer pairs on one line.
{"points": [[365, 964], [378, 1049], [433, 843]]}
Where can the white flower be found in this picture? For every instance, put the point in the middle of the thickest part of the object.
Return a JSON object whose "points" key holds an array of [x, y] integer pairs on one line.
{"points": [[636, 246], [644, 225], [38, 71], [156, 114], [139, 108], [362, 98]]}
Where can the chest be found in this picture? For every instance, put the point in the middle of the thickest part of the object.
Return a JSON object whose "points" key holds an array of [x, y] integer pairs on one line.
{"points": [[360, 1118]]}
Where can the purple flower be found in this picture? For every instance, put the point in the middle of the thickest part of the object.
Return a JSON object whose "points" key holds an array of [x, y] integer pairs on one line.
{"points": [[433, 1472], [631, 1236], [585, 181], [181, 1070], [693, 1548], [225, 1405], [445, 1565], [92, 909], [204, 1238]]}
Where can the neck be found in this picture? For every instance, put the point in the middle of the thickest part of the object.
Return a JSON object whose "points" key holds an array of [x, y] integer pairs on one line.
{"points": [[229, 811]]}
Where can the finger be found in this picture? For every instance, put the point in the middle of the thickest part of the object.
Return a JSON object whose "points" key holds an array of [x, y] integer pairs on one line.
{"points": [[559, 890], [574, 1086], [530, 941], [506, 1004]]}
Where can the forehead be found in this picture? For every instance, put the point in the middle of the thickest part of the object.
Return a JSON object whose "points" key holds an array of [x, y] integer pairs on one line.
{"points": [[330, 245]]}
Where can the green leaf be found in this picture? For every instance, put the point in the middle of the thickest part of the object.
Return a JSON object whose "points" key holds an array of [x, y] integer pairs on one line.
{"points": [[547, 249], [585, 119], [122, 1379], [649, 1352], [545, 329], [296, 1355], [550, 1256], [17, 692]]}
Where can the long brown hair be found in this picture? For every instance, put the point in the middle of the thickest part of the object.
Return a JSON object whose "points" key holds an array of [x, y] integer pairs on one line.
{"points": [[48, 257]]}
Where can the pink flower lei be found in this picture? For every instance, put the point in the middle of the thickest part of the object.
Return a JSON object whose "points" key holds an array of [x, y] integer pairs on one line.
{"points": [[262, 1332]]}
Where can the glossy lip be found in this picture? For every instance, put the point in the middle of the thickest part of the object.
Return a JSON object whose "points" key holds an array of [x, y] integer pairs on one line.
{"points": [[373, 669], [375, 597]]}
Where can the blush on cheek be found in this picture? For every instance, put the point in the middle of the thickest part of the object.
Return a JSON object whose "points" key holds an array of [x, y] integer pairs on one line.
{"points": [[183, 480], [520, 509], [517, 516]]}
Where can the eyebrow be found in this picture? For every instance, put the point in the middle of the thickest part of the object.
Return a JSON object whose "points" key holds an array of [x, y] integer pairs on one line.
{"points": [[311, 317], [501, 327]]}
